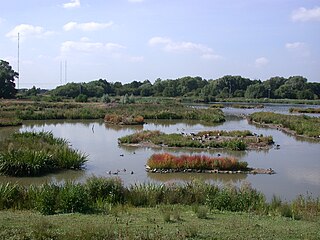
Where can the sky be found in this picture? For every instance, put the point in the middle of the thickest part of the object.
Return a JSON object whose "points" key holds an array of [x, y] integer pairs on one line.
{"points": [[125, 40]]}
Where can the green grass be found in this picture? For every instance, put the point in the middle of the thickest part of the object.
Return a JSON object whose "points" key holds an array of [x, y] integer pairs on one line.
{"points": [[5, 122], [234, 140], [301, 125], [34, 154], [154, 223]]}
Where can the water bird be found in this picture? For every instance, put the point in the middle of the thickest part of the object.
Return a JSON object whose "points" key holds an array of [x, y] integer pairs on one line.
{"points": [[132, 172], [121, 155], [219, 154]]}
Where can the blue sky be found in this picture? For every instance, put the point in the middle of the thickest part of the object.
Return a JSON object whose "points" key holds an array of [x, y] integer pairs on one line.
{"points": [[126, 40]]}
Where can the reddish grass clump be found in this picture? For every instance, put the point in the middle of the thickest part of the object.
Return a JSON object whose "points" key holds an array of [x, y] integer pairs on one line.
{"points": [[123, 120], [198, 162]]}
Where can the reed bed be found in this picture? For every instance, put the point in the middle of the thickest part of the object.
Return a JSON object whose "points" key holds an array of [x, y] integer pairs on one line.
{"points": [[302, 125], [33, 154], [195, 162]]}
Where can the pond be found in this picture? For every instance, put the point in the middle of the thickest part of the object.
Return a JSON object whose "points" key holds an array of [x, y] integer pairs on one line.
{"points": [[297, 162]]}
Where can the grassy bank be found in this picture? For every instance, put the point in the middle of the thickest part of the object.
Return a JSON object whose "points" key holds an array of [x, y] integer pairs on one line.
{"points": [[33, 154], [234, 140], [301, 125], [148, 211], [304, 110], [123, 120], [270, 100], [6, 122]]}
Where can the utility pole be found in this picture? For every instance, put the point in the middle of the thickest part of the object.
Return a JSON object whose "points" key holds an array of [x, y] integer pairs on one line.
{"points": [[18, 59]]}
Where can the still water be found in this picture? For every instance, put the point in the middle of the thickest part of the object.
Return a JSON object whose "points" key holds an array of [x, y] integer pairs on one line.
{"points": [[297, 162]]}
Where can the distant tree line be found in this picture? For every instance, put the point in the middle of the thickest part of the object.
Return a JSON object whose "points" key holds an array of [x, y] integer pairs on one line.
{"points": [[295, 87]]}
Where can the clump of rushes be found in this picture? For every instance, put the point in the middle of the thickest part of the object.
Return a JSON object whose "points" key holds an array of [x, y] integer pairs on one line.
{"points": [[123, 120], [196, 162], [233, 140], [33, 154]]}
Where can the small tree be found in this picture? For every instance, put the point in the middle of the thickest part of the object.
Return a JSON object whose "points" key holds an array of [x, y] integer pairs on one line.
{"points": [[7, 77], [105, 98]]}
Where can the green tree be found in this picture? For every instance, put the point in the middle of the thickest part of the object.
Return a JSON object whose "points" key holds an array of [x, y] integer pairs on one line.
{"points": [[7, 77], [257, 90]]}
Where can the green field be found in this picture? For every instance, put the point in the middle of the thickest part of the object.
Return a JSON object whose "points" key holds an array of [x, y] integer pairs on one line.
{"points": [[161, 222]]}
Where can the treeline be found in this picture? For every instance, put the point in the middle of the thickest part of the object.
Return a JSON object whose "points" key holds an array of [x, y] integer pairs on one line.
{"points": [[295, 87]]}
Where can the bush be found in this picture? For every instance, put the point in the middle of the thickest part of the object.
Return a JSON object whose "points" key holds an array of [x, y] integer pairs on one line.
{"points": [[81, 98]]}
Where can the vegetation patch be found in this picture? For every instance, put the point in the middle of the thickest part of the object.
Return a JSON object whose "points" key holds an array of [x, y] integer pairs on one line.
{"points": [[234, 140], [299, 125], [123, 120], [245, 106], [166, 111], [304, 110], [33, 154], [5, 122], [196, 162], [109, 196]]}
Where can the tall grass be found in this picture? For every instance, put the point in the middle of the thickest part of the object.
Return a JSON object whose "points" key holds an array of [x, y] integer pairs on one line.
{"points": [[51, 198], [304, 110], [197, 162], [33, 154]]}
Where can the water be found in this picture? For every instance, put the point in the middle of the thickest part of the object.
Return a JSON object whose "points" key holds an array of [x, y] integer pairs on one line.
{"points": [[297, 162]]}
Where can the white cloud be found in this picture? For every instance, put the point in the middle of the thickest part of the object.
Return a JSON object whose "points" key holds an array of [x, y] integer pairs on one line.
{"points": [[26, 30], [72, 4], [89, 47], [294, 45], [298, 48], [89, 26], [172, 46], [302, 14], [261, 62]]}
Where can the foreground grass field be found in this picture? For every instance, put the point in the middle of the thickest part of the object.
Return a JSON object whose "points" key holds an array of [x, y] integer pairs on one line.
{"points": [[160, 222]]}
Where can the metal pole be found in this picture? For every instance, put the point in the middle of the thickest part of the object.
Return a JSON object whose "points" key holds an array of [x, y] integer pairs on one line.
{"points": [[18, 59]]}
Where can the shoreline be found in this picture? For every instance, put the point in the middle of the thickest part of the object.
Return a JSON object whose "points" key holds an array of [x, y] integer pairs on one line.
{"points": [[269, 171]]}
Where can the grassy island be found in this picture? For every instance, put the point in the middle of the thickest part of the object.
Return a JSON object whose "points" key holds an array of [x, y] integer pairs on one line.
{"points": [[33, 154], [304, 110], [196, 162], [234, 140], [299, 125], [166, 111]]}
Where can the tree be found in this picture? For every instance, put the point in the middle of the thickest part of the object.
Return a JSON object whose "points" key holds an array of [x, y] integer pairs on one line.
{"points": [[257, 90], [7, 77]]}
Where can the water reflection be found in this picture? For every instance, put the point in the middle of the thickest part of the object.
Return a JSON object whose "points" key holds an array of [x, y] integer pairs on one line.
{"points": [[214, 178]]}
